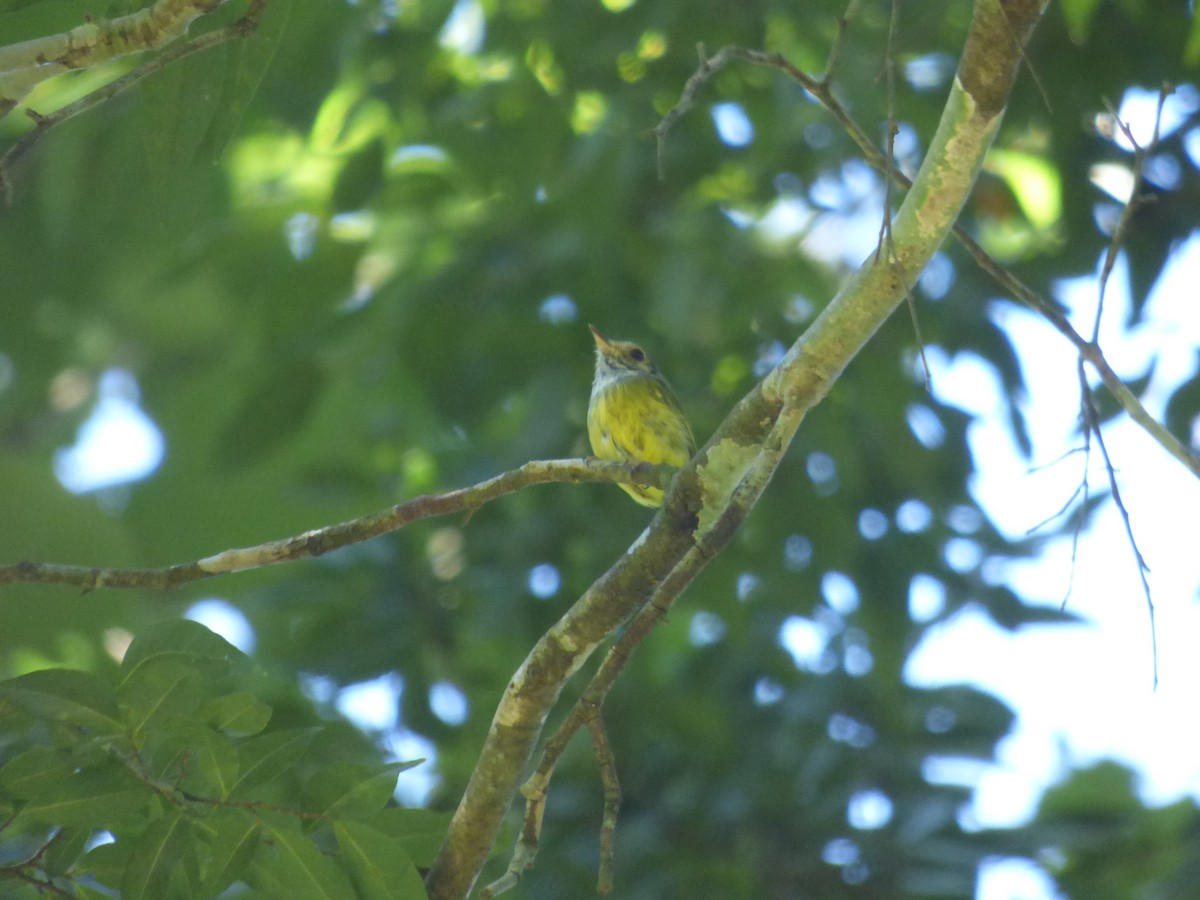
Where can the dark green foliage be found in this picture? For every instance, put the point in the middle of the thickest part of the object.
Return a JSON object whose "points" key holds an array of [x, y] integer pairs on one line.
{"points": [[191, 785], [438, 200], [1111, 847]]}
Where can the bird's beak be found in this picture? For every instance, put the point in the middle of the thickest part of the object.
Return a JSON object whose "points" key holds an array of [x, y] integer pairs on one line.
{"points": [[601, 341]]}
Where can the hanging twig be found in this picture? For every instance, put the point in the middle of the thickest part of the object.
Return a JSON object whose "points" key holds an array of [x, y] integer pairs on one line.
{"points": [[1135, 200]]}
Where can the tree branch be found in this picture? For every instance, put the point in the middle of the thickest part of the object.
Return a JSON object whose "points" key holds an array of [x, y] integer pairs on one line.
{"points": [[711, 495], [332, 537], [43, 123], [25, 65]]}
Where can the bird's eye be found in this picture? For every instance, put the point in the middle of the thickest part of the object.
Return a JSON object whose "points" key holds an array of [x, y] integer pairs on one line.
{"points": [[637, 355]]}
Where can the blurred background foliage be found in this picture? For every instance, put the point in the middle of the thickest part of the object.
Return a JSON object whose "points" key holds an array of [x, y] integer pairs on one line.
{"points": [[351, 259]]}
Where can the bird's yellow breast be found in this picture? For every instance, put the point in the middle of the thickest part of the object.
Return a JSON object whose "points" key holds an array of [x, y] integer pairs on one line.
{"points": [[639, 419]]}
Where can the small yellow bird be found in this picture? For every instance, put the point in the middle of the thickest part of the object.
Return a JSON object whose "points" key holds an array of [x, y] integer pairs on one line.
{"points": [[634, 415]]}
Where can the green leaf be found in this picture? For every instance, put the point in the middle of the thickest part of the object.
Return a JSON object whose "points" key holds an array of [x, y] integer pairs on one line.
{"points": [[160, 692], [204, 762], [247, 61], [351, 790], [232, 837], [35, 772], [240, 714], [184, 639], [155, 855], [108, 798], [177, 107], [1034, 181], [1191, 53], [64, 850], [1008, 611], [213, 767], [304, 871], [267, 756], [378, 865], [65, 696], [106, 863], [419, 831]]}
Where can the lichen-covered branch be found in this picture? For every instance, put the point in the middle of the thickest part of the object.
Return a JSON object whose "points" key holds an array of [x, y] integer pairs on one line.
{"points": [[332, 537]]}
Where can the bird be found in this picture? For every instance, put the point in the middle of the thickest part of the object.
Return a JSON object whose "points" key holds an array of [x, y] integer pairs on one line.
{"points": [[634, 416]]}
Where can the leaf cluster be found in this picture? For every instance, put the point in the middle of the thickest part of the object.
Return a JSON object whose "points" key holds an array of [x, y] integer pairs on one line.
{"points": [[176, 779]]}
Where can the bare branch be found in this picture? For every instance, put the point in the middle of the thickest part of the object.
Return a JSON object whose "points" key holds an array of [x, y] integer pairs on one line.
{"points": [[1092, 424], [332, 537]]}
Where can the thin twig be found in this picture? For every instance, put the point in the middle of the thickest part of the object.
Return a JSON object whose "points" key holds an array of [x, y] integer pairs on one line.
{"points": [[27, 869], [612, 801], [889, 68], [835, 48], [332, 537], [1092, 423], [1136, 199], [20, 872], [885, 228], [1079, 489], [1027, 63], [687, 99], [586, 707], [1086, 484], [1082, 488]]}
